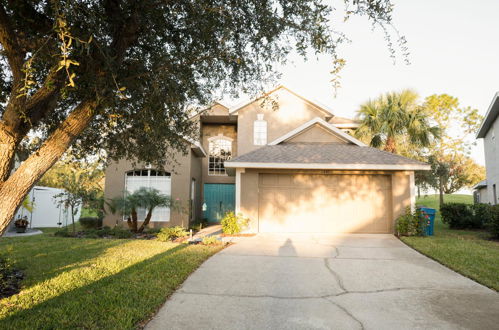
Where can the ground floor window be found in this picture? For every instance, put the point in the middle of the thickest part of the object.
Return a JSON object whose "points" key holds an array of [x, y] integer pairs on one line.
{"points": [[150, 178]]}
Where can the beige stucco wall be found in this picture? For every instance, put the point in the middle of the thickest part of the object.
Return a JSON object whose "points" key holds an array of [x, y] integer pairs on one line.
{"points": [[491, 148], [292, 112], [316, 134], [181, 175], [196, 174], [401, 186], [211, 130], [249, 198], [217, 110], [400, 182]]}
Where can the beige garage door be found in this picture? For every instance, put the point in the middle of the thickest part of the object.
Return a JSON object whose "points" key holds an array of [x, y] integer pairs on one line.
{"points": [[325, 203]]}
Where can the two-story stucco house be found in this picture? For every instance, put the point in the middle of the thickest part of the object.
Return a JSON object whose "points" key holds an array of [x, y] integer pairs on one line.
{"points": [[487, 191], [290, 169]]}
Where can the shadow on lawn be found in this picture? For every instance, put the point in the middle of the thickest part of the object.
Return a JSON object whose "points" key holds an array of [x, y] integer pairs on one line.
{"points": [[41, 258], [117, 301]]}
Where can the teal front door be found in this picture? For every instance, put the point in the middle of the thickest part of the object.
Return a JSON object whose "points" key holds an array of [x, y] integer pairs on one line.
{"points": [[219, 199]]}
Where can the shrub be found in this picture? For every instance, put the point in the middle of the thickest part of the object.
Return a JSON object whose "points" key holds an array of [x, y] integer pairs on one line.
{"points": [[232, 224], [63, 233], [91, 222], [482, 213], [152, 230], [457, 215], [171, 233], [464, 216], [119, 233], [9, 279], [116, 232], [410, 223], [198, 225], [211, 240], [494, 221]]}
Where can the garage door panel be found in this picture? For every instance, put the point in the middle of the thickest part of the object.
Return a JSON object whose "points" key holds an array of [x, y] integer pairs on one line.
{"points": [[311, 203]]}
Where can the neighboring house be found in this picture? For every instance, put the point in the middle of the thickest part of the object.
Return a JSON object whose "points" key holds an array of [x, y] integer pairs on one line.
{"points": [[480, 192], [489, 132], [290, 169]]}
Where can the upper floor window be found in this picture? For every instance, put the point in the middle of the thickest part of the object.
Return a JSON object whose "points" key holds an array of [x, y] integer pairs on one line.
{"points": [[220, 150], [260, 131]]}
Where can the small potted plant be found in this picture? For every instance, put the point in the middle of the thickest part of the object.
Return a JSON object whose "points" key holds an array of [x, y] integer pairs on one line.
{"points": [[21, 224]]}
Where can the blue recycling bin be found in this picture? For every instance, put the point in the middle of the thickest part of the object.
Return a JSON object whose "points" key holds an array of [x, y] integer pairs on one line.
{"points": [[429, 215]]}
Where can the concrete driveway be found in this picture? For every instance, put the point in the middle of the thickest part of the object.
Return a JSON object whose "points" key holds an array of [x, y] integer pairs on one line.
{"points": [[326, 282]]}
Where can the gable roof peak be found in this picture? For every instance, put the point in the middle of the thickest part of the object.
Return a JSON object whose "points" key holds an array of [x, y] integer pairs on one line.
{"points": [[314, 103], [318, 121]]}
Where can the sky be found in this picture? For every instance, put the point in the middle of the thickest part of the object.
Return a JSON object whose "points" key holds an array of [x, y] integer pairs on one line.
{"points": [[454, 49]]}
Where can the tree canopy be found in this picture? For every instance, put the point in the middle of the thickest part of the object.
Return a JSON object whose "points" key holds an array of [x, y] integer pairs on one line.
{"points": [[122, 74], [452, 167], [394, 117], [436, 130]]}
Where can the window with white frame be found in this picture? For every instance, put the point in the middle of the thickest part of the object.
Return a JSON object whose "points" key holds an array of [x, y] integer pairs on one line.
{"points": [[220, 150], [260, 131], [152, 179]]}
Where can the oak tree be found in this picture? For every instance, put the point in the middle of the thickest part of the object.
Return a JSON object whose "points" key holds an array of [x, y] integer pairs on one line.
{"points": [[120, 75]]}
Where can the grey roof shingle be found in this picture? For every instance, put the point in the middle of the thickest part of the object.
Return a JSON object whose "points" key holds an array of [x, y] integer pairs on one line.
{"points": [[323, 153], [480, 184]]}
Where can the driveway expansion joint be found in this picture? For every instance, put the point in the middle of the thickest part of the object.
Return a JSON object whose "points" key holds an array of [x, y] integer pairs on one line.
{"points": [[256, 296], [327, 296]]}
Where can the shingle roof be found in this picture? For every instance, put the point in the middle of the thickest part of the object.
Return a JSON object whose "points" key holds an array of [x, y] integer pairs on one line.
{"points": [[490, 117], [343, 120], [322, 153], [480, 184]]}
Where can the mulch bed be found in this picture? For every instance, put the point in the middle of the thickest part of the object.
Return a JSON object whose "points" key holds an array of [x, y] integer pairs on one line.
{"points": [[10, 280], [238, 235]]}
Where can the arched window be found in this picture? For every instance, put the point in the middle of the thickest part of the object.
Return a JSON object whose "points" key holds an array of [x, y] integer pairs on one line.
{"points": [[220, 150], [150, 178], [260, 131]]}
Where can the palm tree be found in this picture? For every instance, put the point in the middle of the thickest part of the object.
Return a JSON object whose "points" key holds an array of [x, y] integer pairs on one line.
{"points": [[145, 198], [393, 116]]}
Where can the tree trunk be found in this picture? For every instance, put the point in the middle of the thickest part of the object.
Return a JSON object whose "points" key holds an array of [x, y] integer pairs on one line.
{"points": [[441, 191], [7, 153], [419, 192], [390, 145], [132, 222], [73, 220], [146, 221], [16, 187]]}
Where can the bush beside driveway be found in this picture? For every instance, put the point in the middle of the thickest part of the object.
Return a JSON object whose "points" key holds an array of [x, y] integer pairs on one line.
{"points": [[93, 283], [469, 252]]}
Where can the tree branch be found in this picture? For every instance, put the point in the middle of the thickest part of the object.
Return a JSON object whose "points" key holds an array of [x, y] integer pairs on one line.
{"points": [[125, 30], [36, 20], [11, 47], [44, 99]]}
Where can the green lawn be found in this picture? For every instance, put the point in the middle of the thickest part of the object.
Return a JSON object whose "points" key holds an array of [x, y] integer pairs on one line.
{"points": [[93, 283], [469, 252]]}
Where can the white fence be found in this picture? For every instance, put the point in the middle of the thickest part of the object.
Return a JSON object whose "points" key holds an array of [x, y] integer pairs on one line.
{"points": [[46, 212]]}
